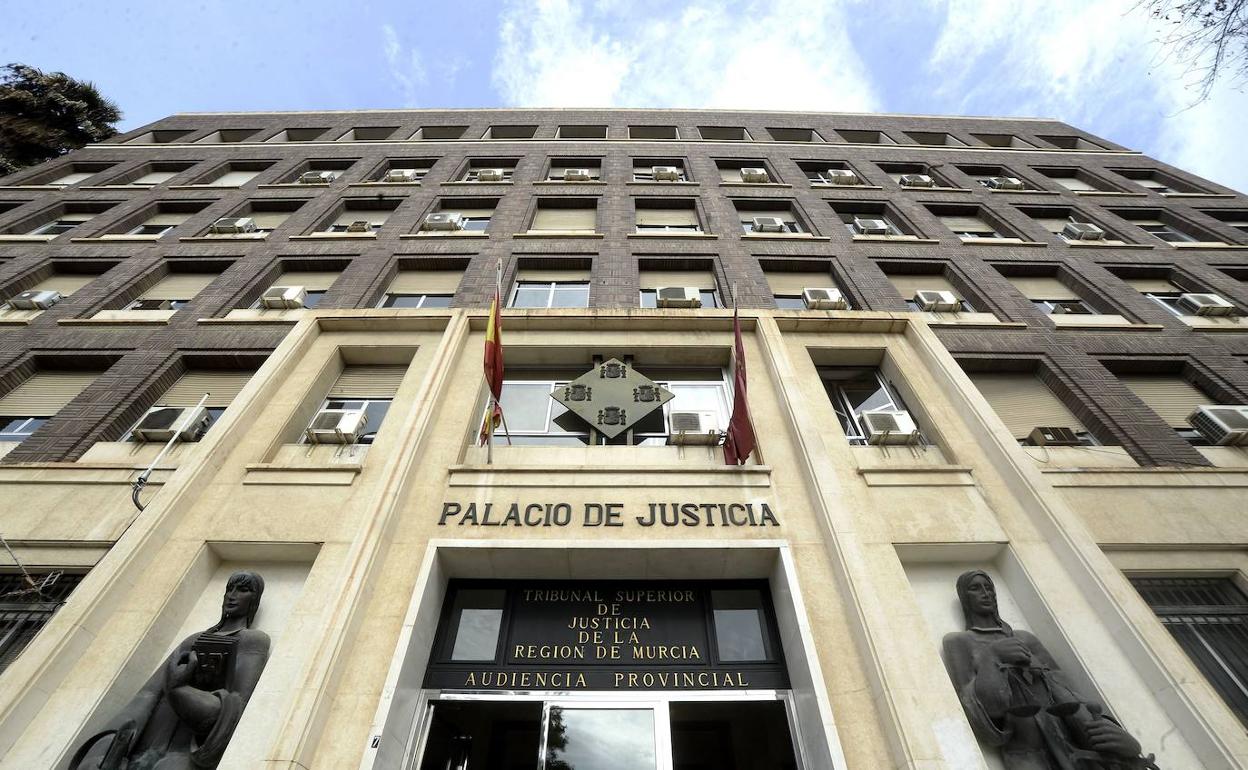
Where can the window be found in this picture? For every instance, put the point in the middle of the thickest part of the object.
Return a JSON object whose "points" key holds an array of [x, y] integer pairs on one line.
{"points": [[172, 292], [724, 133], [62, 224], [653, 132], [36, 399], [1172, 397], [539, 294], [1157, 181], [570, 216], [747, 212], [731, 172], [708, 297], [1208, 617], [658, 273], [984, 175], [73, 175], [160, 136], [935, 138], [583, 170], [1166, 232], [323, 172], [667, 216], [367, 388], [787, 286], [1056, 220], [157, 175], [368, 134], [582, 132], [476, 620], [222, 387], [536, 419], [233, 174], [229, 136], [361, 217], [268, 215], [162, 218], [795, 135], [489, 171], [830, 173], [439, 133], [966, 223], [1024, 403], [474, 214], [867, 220], [403, 171], [1230, 218], [854, 391], [1070, 143], [1076, 180], [422, 289], [740, 625], [297, 135], [1003, 140], [864, 137], [67, 283], [26, 608], [510, 132], [910, 284], [659, 170], [896, 171], [314, 282]]}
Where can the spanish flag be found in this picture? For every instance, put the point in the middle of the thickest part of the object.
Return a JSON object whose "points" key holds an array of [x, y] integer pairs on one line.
{"points": [[740, 442], [493, 370]]}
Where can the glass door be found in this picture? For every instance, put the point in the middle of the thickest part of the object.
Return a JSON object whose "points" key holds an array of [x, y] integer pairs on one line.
{"points": [[580, 735]]}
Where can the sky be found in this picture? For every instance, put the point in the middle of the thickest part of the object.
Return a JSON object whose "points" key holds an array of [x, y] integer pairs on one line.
{"points": [[1095, 64]]}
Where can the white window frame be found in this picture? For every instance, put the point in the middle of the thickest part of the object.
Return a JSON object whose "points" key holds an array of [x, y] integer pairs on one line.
{"points": [[550, 295]]}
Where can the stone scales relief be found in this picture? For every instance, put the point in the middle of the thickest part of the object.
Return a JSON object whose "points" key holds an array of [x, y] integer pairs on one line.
{"points": [[572, 636]]}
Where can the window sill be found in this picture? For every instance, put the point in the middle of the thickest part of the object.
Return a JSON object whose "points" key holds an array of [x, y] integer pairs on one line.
{"points": [[783, 237], [118, 238], [335, 237], [827, 186], [26, 238], [1111, 193], [1207, 323], [755, 184], [603, 467], [935, 189], [1211, 245], [204, 186], [446, 234], [969, 319], [564, 183], [384, 184], [225, 238], [1106, 245], [39, 187], [894, 239], [463, 183], [293, 185], [248, 315], [1100, 321], [705, 236], [1022, 192], [327, 472], [11, 317], [663, 184], [558, 234], [1196, 195], [1001, 242], [122, 318]]}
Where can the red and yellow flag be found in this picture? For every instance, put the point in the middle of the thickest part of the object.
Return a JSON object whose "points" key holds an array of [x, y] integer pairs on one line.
{"points": [[493, 370]]}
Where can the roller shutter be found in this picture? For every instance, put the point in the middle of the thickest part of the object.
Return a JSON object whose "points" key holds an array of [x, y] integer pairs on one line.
{"points": [[45, 393], [1024, 402], [368, 381], [222, 386], [1170, 396]]}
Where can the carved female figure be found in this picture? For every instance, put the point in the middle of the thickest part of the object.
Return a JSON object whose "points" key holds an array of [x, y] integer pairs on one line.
{"points": [[1017, 698], [184, 716]]}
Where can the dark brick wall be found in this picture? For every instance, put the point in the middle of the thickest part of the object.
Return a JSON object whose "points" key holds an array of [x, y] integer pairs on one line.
{"points": [[1074, 363]]}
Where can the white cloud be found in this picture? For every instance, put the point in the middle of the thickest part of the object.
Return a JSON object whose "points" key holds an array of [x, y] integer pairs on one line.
{"points": [[570, 53], [1096, 65], [406, 67]]}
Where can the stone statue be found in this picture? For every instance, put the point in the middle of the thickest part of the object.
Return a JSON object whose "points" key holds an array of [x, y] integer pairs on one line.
{"points": [[1017, 698], [184, 716]]}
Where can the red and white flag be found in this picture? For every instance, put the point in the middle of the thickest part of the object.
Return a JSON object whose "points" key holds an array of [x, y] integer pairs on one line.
{"points": [[740, 442]]}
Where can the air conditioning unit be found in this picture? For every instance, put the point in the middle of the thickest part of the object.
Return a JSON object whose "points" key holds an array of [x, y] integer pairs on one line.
{"points": [[1054, 437], [35, 300], [317, 177], [841, 176], [283, 297], [917, 180], [233, 226], [162, 423], [490, 174], [677, 296], [755, 175], [1083, 231], [890, 427], [1206, 304], [871, 226], [360, 226], [443, 220], [1006, 183], [1223, 425], [577, 175], [336, 426], [693, 429], [768, 225], [400, 176], [665, 173], [824, 299], [938, 301]]}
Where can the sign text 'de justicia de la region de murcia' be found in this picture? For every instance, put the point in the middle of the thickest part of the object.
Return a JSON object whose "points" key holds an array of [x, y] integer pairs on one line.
{"points": [[667, 514]]}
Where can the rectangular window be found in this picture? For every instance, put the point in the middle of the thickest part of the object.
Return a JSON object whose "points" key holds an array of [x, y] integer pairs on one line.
{"points": [[173, 291], [659, 170], [854, 391], [1208, 617], [26, 606], [789, 223], [476, 619], [62, 224], [359, 220], [366, 388], [651, 280], [565, 216], [160, 223], [221, 386], [740, 626], [910, 284], [968, 225], [417, 300], [1050, 295], [548, 294], [575, 170], [489, 171], [659, 220], [422, 288], [787, 287], [1171, 397], [1024, 403], [36, 399]]}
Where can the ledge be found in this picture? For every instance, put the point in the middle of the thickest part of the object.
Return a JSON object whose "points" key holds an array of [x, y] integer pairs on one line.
{"points": [[1022, 192], [1145, 478], [11, 317], [39, 187], [717, 476], [204, 186], [964, 320], [918, 476], [463, 183], [335, 237], [1216, 323], [118, 238], [756, 184], [223, 238], [562, 182], [1108, 321], [783, 237], [1111, 193], [1196, 195], [448, 234], [894, 239], [338, 475], [557, 234], [122, 318], [705, 236], [80, 473], [1001, 242], [383, 184], [664, 184], [936, 189], [1219, 245], [1100, 245], [26, 238], [826, 186], [290, 185]]}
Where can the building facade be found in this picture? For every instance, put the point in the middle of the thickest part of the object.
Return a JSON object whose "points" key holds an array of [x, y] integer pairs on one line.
{"points": [[972, 344]]}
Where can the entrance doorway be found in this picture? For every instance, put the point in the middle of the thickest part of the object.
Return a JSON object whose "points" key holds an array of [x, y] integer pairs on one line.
{"points": [[467, 732]]}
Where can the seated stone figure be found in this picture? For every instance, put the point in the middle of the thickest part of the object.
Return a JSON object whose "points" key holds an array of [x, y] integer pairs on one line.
{"points": [[1017, 698], [184, 716]]}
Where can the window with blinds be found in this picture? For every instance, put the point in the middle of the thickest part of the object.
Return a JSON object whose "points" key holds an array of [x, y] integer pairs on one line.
{"points": [[909, 284], [152, 178], [267, 221], [1151, 285], [178, 286], [747, 213], [222, 386], [667, 217], [1169, 395], [374, 217], [26, 605], [368, 381], [166, 219], [1042, 287], [1024, 402], [65, 283], [233, 178], [562, 218], [1074, 183], [792, 284], [968, 226], [43, 394], [74, 177], [1208, 617], [425, 282]]}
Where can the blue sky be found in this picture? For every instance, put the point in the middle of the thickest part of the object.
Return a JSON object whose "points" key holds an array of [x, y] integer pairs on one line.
{"points": [[1092, 63]]}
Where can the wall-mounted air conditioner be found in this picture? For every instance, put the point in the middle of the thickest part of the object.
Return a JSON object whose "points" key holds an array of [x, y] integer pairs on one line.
{"points": [[677, 296], [1006, 183], [871, 226], [283, 297], [1050, 436], [1206, 304], [824, 299], [400, 176], [317, 177], [577, 175], [1223, 425], [233, 226], [917, 180], [890, 427], [755, 175], [336, 426], [841, 176], [360, 226], [694, 429], [1083, 231], [161, 423], [937, 301], [34, 300], [443, 220], [665, 173], [768, 225], [491, 174]]}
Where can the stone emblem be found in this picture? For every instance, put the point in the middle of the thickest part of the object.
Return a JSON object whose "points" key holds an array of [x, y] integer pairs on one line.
{"points": [[612, 397]]}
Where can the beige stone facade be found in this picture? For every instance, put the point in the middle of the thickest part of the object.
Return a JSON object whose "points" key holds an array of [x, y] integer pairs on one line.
{"points": [[357, 545]]}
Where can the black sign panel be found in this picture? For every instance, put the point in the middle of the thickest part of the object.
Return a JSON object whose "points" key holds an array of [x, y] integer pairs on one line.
{"points": [[617, 635]]}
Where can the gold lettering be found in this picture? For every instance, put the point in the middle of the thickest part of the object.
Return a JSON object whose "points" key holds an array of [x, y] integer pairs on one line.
{"points": [[471, 680]]}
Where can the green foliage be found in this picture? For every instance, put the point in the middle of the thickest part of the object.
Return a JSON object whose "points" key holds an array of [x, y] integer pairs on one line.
{"points": [[46, 114]]}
